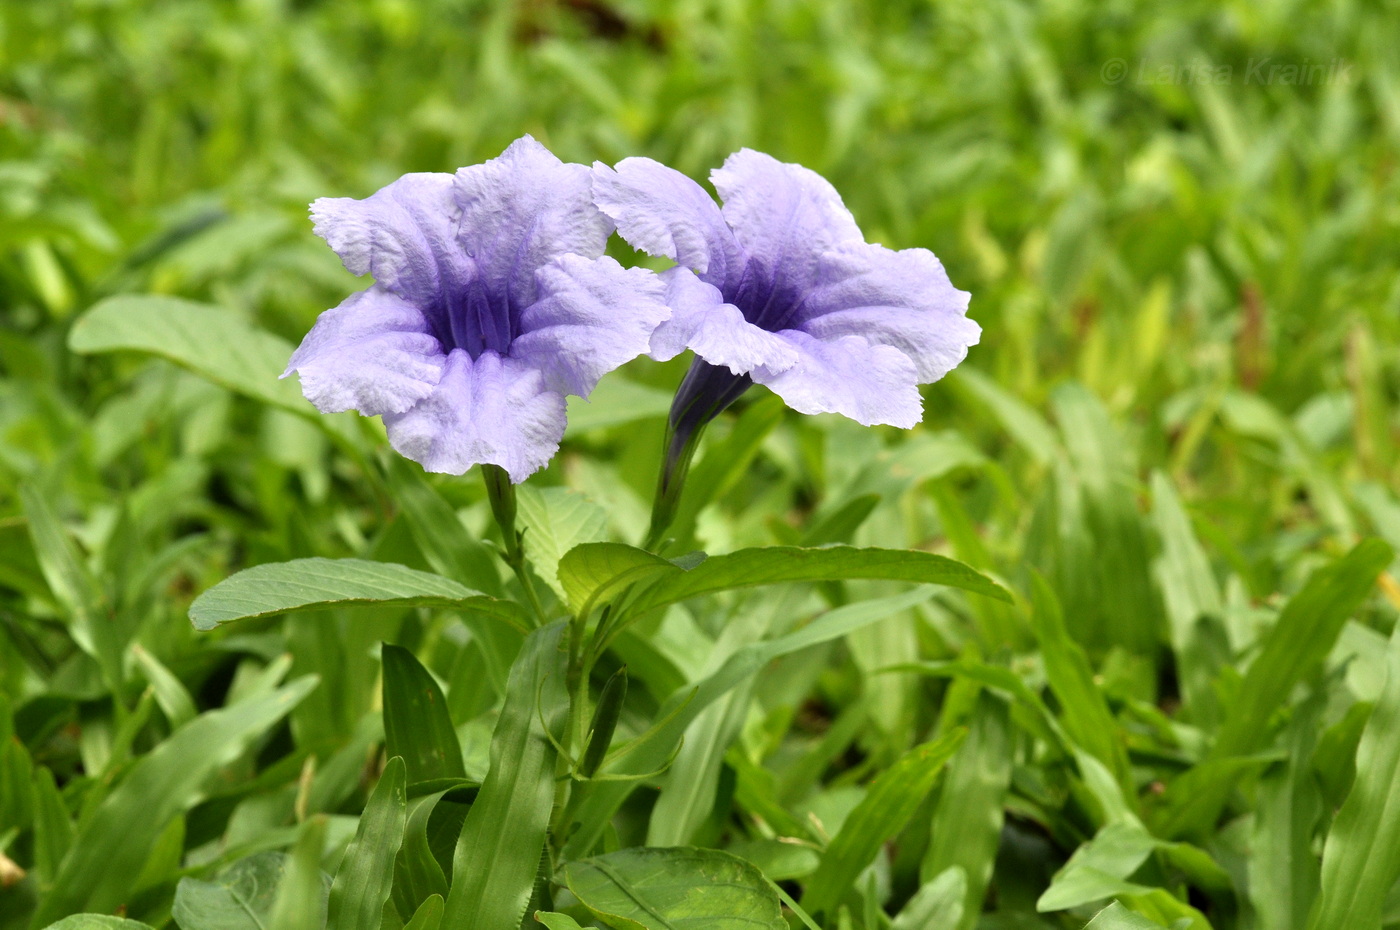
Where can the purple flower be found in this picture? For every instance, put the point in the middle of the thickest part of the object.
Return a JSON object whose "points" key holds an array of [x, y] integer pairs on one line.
{"points": [[490, 303], [780, 288]]}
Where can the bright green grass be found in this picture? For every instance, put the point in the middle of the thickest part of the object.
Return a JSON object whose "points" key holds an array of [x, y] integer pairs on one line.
{"points": [[1181, 418]]}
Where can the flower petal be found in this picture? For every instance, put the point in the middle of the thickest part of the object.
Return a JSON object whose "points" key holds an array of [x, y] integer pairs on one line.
{"points": [[403, 234], [374, 353], [662, 212], [869, 383], [901, 299], [591, 316], [488, 410], [716, 331], [521, 210], [782, 215]]}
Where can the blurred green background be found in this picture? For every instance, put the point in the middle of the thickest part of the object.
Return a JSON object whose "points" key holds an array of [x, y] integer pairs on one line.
{"points": [[1182, 254], [1163, 239]]}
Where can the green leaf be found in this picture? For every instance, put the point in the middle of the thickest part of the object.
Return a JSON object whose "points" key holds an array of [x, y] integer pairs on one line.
{"points": [[239, 898], [937, 904], [556, 520], [1361, 858], [841, 524], [112, 844], [889, 802], [317, 584], [1084, 710], [967, 821], [1099, 869], [53, 828], [614, 402], [1019, 419], [1299, 641], [498, 852], [366, 873], [651, 751], [303, 891], [1305, 632], [1122, 607], [1118, 917], [1189, 593], [213, 342], [72, 584], [428, 916], [174, 700], [416, 724], [438, 531], [590, 573], [1162, 906], [773, 565], [97, 922], [664, 888], [418, 872], [1283, 872], [556, 921]]}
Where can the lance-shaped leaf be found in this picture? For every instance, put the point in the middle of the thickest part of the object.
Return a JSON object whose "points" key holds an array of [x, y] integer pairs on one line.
{"points": [[498, 852], [318, 584], [778, 564], [654, 749], [416, 724], [113, 843], [1305, 632], [591, 572], [889, 802], [1361, 859], [213, 342], [362, 882]]}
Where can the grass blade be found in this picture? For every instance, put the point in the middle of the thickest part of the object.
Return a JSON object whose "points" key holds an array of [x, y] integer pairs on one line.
{"points": [[498, 852], [416, 724], [112, 845], [366, 874], [888, 804], [968, 819], [301, 895], [1361, 859], [1305, 632]]}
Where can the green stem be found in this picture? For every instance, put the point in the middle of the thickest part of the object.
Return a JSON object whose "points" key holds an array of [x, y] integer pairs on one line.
{"points": [[675, 466], [501, 493], [704, 393]]}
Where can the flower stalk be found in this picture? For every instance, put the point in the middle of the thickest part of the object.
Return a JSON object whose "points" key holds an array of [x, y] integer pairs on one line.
{"points": [[501, 493], [706, 392]]}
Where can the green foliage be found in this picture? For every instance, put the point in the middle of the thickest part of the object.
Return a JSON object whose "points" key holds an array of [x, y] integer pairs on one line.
{"points": [[498, 853], [311, 584], [884, 810], [667, 886], [1129, 552], [113, 841], [417, 727]]}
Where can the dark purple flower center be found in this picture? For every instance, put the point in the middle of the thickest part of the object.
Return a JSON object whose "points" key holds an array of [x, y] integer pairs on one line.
{"points": [[468, 316], [764, 297]]}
